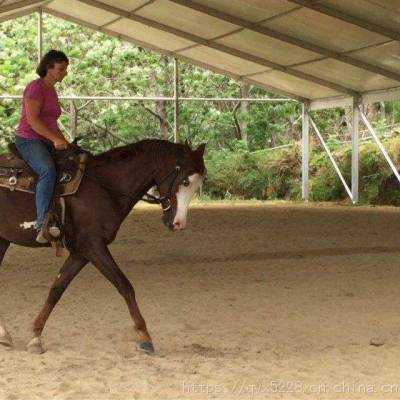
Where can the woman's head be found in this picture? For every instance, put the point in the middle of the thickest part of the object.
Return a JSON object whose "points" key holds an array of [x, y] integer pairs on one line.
{"points": [[54, 63]]}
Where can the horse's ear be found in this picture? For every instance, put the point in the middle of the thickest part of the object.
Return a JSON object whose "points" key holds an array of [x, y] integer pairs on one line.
{"points": [[201, 149]]}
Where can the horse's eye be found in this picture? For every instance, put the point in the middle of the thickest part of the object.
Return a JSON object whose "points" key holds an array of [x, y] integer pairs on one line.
{"points": [[186, 182]]}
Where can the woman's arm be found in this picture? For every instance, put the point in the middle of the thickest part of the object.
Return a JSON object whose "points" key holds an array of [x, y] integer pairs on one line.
{"points": [[32, 109]]}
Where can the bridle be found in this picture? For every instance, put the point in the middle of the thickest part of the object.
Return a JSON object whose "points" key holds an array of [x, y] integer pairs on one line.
{"points": [[149, 198]]}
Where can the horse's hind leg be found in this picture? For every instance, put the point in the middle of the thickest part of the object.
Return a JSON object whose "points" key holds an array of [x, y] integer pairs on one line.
{"points": [[5, 338], [73, 264]]}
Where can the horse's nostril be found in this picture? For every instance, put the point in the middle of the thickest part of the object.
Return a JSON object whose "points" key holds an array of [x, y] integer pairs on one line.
{"points": [[179, 225]]}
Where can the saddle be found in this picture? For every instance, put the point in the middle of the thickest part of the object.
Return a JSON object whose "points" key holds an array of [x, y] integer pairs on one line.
{"points": [[15, 174]]}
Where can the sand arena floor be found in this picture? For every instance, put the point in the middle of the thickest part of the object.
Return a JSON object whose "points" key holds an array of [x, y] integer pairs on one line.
{"points": [[250, 302]]}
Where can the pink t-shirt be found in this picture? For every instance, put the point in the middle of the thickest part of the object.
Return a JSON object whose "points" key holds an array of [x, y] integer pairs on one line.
{"points": [[49, 112]]}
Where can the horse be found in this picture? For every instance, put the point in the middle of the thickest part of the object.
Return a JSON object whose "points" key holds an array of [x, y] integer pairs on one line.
{"points": [[113, 183]]}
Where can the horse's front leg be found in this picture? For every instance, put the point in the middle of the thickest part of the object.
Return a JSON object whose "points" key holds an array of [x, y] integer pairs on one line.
{"points": [[101, 257], [72, 265]]}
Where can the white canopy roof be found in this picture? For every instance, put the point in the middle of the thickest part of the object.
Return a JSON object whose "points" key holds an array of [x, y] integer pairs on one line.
{"points": [[325, 52]]}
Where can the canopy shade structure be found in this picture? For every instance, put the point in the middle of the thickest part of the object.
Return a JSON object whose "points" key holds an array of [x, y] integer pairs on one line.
{"points": [[324, 53]]}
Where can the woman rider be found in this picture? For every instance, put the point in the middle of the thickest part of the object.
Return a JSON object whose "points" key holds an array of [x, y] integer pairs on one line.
{"points": [[38, 134]]}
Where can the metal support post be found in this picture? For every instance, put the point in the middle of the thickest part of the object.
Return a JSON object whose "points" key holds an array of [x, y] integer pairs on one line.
{"points": [[40, 35], [354, 150], [305, 148], [176, 100], [73, 117]]}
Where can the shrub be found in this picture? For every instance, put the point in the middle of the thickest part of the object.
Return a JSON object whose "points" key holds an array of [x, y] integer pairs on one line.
{"points": [[276, 174]]}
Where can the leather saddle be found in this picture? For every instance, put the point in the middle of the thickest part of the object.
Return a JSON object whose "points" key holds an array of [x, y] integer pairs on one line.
{"points": [[15, 174]]}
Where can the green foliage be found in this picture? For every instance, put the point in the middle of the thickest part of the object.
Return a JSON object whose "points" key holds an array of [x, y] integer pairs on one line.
{"points": [[374, 174], [234, 174], [272, 175], [283, 173], [325, 184]]}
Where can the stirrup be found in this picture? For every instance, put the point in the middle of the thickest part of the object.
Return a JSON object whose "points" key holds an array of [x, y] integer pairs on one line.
{"points": [[40, 237], [54, 231]]}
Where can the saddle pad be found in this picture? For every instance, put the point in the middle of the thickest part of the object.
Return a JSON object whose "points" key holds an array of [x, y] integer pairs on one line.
{"points": [[16, 175]]}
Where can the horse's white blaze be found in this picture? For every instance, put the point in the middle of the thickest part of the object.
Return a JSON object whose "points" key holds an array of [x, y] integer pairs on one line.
{"points": [[183, 196]]}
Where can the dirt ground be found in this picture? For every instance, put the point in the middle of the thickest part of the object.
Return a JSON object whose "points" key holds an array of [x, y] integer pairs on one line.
{"points": [[250, 302]]}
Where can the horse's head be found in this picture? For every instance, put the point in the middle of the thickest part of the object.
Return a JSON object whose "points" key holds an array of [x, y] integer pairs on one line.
{"points": [[179, 185]]}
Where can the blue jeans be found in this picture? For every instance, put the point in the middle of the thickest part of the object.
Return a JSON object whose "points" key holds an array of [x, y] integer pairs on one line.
{"points": [[38, 155]]}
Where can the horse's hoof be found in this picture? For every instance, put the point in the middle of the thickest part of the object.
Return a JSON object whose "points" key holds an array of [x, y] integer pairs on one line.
{"points": [[6, 340], [146, 347], [35, 346]]}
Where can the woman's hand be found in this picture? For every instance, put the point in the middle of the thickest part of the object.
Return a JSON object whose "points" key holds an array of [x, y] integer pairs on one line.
{"points": [[60, 144]]}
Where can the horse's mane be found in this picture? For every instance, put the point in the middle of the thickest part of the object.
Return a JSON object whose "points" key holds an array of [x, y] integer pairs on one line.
{"points": [[154, 146]]}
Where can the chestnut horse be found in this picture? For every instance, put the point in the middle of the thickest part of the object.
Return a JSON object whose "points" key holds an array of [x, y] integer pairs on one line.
{"points": [[113, 183]]}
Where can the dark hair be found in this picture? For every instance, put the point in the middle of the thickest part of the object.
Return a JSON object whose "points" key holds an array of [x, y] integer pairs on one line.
{"points": [[48, 61]]}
